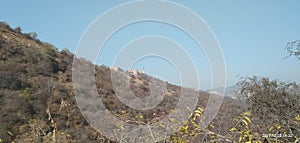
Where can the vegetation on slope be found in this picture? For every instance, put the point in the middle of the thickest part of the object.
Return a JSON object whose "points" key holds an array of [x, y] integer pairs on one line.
{"points": [[37, 102]]}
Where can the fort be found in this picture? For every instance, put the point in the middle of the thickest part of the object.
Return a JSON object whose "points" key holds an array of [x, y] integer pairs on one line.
{"points": [[136, 72], [132, 71]]}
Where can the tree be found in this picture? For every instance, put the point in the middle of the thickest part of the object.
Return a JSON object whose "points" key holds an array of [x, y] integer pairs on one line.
{"points": [[32, 35], [274, 104], [293, 49], [265, 96]]}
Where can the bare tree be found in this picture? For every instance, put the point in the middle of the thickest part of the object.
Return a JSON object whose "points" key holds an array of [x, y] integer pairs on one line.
{"points": [[293, 49]]}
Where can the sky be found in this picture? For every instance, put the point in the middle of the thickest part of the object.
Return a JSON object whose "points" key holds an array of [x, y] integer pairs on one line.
{"points": [[252, 34]]}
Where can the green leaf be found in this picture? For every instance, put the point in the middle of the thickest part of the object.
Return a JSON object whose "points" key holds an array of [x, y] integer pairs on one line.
{"points": [[271, 129], [297, 117], [197, 115], [233, 129], [10, 133], [277, 126], [248, 113], [198, 111], [248, 119], [245, 122], [240, 139]]}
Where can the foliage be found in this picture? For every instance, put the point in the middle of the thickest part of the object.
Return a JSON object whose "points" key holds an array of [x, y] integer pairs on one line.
{"points": [[274, 105], [31, 35], [243, 130], [267, 97], [18, 29], [293, 49]]}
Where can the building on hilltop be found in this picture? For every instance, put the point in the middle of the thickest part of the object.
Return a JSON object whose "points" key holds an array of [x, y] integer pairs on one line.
{"points": [[134, 72], [143, 70]]}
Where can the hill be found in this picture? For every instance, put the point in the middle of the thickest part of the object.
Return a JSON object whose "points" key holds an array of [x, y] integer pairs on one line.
{"points": [[37, 102]]}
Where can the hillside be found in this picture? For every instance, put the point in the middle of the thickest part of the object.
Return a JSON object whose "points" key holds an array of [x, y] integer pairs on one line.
{"points": [[36, 93], [38, 103]]}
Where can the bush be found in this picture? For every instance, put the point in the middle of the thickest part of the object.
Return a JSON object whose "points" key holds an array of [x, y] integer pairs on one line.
{"points": [[18, 29]]}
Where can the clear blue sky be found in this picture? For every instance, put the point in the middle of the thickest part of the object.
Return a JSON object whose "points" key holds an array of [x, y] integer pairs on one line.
{"points": [[252, 34]]}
